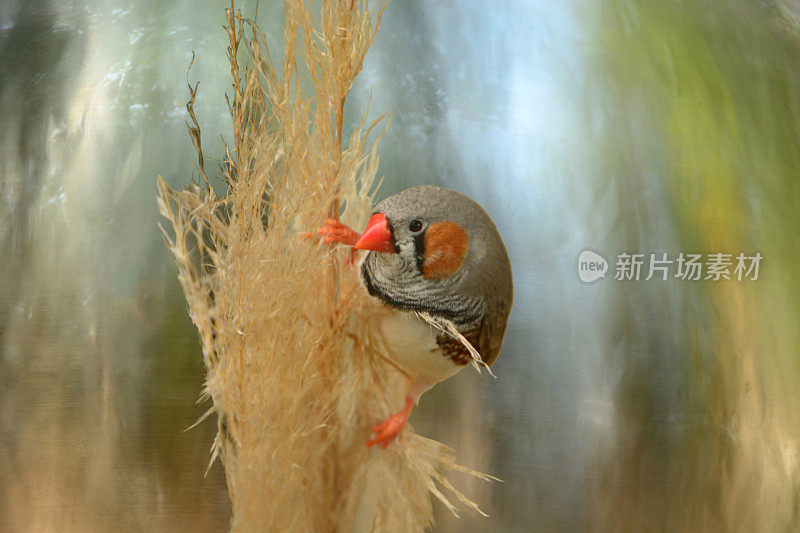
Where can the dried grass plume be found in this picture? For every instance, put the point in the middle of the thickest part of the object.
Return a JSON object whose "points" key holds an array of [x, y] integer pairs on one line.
{"points": [[296, 373]]}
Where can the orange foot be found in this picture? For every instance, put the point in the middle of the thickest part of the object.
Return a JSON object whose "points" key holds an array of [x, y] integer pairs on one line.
{"points": [[385, 433], [334, 231]]}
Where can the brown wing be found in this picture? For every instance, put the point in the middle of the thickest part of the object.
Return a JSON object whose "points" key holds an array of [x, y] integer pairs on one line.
{"points": [[491, 333]]}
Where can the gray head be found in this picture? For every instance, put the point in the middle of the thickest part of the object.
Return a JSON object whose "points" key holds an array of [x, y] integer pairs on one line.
{"points": [[436, 250]]}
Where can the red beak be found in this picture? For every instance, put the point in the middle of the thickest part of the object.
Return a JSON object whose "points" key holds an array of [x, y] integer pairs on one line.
{"points": [[377, 237]]}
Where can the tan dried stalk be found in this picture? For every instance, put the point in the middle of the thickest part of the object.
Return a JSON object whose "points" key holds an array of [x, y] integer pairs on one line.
{"points": [[295, 369]]}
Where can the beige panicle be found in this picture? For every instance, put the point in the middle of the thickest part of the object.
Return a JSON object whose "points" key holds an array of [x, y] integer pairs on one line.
{"points": [[296, 372]]}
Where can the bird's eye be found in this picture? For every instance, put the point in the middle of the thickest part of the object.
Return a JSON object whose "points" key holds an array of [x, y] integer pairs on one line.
{"points": [[415, 226]]}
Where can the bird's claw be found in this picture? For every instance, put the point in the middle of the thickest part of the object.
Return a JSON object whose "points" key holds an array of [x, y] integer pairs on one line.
{"points": [[387, 431], [335, 232]]}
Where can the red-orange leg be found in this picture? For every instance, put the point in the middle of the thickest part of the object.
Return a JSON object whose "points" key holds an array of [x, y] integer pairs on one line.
{"points": [[386, 432], [336, 232]]}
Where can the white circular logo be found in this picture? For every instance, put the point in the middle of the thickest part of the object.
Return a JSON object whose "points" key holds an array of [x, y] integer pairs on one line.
{"points": [[591, 266]]}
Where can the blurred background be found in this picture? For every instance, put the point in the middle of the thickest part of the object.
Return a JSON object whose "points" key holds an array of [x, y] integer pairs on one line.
{"points": [[610, 125]]}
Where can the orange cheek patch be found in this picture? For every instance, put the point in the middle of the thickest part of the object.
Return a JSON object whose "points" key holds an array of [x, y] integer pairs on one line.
{"points": [[445, 248]]}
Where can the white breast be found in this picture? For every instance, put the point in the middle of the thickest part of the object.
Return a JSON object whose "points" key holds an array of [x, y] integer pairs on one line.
{"points": [[412, 344]]}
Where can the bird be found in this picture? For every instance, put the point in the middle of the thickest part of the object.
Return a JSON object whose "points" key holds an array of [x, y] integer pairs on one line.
{"points": [[436, 253]]}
